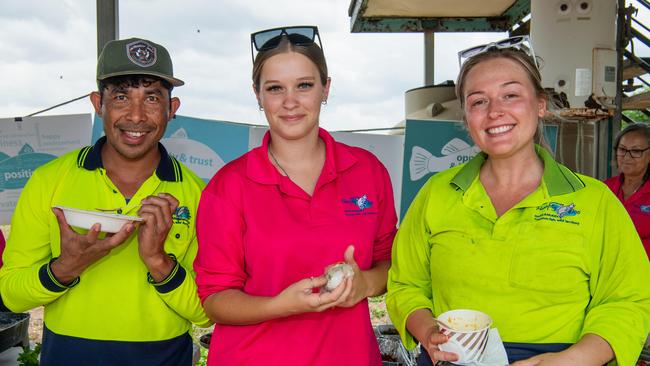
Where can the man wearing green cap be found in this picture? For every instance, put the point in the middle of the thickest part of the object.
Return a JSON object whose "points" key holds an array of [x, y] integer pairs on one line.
{"points": [[127, 298]]}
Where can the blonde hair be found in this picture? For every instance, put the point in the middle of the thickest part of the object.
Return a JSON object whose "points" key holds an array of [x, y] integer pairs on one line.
{"points": [[522, 59]]}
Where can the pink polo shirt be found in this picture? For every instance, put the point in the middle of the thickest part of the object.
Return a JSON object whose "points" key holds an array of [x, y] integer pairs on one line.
{"points": [[259, 232], [638, 206]]}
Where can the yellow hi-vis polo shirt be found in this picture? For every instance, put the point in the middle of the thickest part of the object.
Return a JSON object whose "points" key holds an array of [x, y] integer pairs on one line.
{"points": [[113, 299], [563, 262]]}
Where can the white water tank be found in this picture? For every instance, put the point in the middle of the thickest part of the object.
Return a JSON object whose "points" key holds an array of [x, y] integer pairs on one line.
{"points": [[577, 41], [432, 102]]}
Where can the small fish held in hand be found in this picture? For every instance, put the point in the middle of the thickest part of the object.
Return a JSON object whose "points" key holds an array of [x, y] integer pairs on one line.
{"points": [[336, 274]]}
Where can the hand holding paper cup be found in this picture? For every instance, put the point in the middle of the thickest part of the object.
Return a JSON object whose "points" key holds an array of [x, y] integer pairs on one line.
{"points": [[467, 331]]}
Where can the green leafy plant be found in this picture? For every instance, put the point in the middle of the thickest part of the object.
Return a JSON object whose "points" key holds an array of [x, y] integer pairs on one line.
{"points": [[204, 357], [378, 313], [637, 116], [29, 357]]}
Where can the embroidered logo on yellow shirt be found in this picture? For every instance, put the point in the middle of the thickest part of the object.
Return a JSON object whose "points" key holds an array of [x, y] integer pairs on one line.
{"points": [[554, 211], [181, 215]]}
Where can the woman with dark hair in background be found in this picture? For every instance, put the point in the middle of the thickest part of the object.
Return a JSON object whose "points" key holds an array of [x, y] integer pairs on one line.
{"points": [[632, 150], [270, 222]]}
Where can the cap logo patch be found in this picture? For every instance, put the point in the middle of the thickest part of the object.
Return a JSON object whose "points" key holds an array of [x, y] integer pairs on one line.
{"points": [[141, 53]]}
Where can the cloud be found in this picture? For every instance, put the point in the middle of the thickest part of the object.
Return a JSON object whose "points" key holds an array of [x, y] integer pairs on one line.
{"points": [[48, 55]]}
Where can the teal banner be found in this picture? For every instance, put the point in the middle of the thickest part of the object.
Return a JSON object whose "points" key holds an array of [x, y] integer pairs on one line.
{"points": [[203, 145], [433, 146]]}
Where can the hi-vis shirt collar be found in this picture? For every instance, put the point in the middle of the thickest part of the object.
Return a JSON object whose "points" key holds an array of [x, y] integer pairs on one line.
{"points": [[90, 158], [557, 178]]}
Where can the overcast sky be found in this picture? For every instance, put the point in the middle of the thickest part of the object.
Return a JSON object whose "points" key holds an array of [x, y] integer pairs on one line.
{"points": [[48, 56]]}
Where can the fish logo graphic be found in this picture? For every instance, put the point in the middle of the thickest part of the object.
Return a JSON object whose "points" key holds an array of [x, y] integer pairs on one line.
{"points": [[181, 215], [645, 208], [362, 202], [455, 152], [15, 171], [564, 210]]}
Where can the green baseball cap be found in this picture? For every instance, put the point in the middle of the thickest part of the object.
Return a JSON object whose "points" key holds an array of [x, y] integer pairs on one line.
{"points": [[135, 56]]}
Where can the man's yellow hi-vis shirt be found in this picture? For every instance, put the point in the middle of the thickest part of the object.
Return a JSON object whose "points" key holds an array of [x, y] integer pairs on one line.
{"points": [[113, 300], [563, 262]]}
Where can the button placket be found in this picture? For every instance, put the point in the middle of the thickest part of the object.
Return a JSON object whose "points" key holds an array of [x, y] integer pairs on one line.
{"points": [[502, 227]]}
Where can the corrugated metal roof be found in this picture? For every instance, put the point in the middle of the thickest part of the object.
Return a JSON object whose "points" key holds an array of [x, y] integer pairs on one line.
{"points": [[436, 15]]}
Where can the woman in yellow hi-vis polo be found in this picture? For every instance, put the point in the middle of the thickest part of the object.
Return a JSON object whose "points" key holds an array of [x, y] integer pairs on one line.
{"points": [[549, 254]]}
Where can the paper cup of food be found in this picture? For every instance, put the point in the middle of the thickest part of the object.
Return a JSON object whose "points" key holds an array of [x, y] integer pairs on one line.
{"points": [[467, 331], [84, 219]]}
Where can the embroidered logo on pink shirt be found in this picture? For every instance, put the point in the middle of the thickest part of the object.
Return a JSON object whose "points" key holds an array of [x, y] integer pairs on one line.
{"points": [[361, 205]]}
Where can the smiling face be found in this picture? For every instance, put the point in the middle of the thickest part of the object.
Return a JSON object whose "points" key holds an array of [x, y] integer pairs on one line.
{"points": [[135, 118], [629, 166], [501, 107], [291, 92]]}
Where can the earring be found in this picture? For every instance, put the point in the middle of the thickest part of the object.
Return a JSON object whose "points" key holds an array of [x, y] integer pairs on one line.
{"points": [[260, 107], [324, 102]]}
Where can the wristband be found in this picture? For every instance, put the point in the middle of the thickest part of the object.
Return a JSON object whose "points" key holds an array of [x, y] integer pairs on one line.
{"points": [[50, 281], [171, 274]]}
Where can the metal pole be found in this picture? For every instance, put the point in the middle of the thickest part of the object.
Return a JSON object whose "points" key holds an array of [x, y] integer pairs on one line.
{"points": [[621, 43], [429, 54], [108, 20], [58, 105]]}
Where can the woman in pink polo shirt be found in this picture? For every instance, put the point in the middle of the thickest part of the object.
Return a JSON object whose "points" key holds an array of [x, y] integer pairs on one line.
{"points": [[271, 221], [632, 149]]}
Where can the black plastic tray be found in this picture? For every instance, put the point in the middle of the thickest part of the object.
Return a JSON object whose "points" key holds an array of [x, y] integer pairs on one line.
{"points": [[14, 330]]}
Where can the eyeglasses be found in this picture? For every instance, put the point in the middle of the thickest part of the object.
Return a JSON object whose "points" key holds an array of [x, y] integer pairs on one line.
{"points": [[521, 43], [302, 35], [635, 153]]}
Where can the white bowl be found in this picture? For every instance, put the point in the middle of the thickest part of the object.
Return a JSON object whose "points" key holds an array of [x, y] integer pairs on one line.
{"points": [[110, 223], [467, 331]]}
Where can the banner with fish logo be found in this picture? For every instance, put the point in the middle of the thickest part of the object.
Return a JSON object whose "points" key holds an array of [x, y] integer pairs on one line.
{"points": [[29, 142], [455, 152], [433, 146], [203, 145]]}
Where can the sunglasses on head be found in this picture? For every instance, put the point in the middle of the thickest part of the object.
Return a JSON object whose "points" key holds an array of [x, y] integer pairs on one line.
{"points": [[268, 39], [521, 43]]}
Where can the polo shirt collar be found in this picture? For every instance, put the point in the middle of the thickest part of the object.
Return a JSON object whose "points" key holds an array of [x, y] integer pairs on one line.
{"points": [[337, 159], [644, 189], [618, 183], [90, 158], [557, 178]]}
